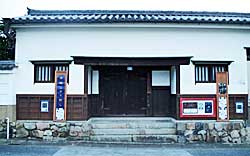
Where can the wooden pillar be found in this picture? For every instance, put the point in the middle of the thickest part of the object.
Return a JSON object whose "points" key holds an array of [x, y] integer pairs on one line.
{"points": [[149, 93], [85, 80], [178, 75]]}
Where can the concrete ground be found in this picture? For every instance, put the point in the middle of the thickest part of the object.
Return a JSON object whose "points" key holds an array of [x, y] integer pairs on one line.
{"points": [[85, 149]]}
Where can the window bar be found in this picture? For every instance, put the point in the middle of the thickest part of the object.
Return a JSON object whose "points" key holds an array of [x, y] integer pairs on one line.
{"points": [[40, 73], [49, 71], [196, 74], [199, 74], [206, 73]]}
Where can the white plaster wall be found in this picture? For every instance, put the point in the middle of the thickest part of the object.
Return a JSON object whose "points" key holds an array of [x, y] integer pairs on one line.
{"points": [[7, 93], [202, 43]]}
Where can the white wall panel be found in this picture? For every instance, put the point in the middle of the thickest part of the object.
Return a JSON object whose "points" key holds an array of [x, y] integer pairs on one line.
{"points": [[202, 44], [7, 94]]}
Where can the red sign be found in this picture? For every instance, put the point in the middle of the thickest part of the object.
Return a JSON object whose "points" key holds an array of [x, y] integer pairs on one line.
{"points": [[197, 107]]}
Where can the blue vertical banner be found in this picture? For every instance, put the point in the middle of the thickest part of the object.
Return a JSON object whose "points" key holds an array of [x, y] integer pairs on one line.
{"points": [[60, 97]]}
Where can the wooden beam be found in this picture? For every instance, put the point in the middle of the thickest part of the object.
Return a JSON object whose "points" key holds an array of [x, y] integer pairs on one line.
{"points": [[131, 61]]}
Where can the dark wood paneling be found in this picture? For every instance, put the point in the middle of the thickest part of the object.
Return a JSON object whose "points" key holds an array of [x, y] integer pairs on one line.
{"points": [[232, 99], [28, 107], [95, 106], [161, 101], [77, 107]]}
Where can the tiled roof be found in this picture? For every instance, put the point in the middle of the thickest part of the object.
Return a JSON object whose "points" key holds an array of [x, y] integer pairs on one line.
{"points": [[7, 65], [128, 16]]}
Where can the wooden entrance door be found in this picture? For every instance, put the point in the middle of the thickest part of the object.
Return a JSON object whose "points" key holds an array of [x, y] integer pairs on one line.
{"points": [[123, 91]]}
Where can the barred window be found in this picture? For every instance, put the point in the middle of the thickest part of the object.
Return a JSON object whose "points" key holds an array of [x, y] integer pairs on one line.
{"points": [[44, 72], [206, 73]]}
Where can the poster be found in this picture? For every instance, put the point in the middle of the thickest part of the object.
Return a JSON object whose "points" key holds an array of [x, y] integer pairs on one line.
{"points": [[222, 96], [60, 98], [197, 107], [44, 106]]}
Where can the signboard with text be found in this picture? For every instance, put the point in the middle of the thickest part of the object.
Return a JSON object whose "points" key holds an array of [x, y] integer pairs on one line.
{"points": [[222, 96], [60, 98], [197, 107]]}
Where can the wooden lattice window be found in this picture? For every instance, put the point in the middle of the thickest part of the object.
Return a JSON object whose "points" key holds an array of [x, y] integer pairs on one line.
{"points": [[205, 72], [44, 72]]}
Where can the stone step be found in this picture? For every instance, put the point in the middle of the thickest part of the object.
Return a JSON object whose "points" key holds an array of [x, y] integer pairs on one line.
{"points": [[131, 119], [135, 138], [134, 125], [160, 131]]}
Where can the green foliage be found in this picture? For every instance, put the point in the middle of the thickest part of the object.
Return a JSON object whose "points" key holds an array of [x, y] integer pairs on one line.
{"points": [[6, 53], [3, 49]]}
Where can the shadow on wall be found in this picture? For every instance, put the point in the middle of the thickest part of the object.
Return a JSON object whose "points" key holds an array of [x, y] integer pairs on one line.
{"points": [[8, 111]]}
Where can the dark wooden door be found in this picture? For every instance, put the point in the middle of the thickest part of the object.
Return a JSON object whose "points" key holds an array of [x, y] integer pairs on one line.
{"points": [[161, 101], [123, 92], [135, 92]]}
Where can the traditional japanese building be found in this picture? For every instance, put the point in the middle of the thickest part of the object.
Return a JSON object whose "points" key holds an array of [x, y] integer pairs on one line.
{"points": [[131, 63]]}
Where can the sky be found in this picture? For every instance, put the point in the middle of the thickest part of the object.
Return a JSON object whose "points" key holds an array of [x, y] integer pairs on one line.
{"points": [[13, 8]]}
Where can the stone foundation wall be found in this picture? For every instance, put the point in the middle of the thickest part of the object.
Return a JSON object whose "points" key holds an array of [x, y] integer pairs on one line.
{"points": [[213, 132], [187, 131], [47, 130]]}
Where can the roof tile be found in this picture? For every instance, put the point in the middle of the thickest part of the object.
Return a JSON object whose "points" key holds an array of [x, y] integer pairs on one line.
{"points": [[130, 16]]}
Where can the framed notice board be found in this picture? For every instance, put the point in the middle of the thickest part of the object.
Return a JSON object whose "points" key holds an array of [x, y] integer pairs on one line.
{"points": [[197, 107], [60, 97], [222, 96]]}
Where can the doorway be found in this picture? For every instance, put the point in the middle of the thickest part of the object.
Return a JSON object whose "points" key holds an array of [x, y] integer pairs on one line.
{"points": [[123, 90]]}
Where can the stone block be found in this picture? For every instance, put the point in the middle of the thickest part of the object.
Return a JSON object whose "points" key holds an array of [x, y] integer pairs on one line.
{"points": [[78, 124], [210, 125], [205, 126], [1, 128], [19, 125], [248, 130], [214, 133], [190, 126], [3, 135], [54, 128], [237, 126], [235, 134], [225, 139], [48, 138], [228, 127], [202, 133], [181, 126], [42, 126], [188, 132], [37, 133], [62, 134], [22, 133], [63, 129], [181, 139], [199, 126], [30, 126], [13, 124], [75, 131], [60, 124], [218, 126], [222, 133], [243, 132], [47, 133], [236, 140]]}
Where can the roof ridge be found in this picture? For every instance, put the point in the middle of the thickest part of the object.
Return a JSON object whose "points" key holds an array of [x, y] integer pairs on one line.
{"points": [[34, 12]]}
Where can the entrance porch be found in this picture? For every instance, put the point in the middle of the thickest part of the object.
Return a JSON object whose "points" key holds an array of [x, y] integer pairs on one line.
{"points": [[118, 86]]}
